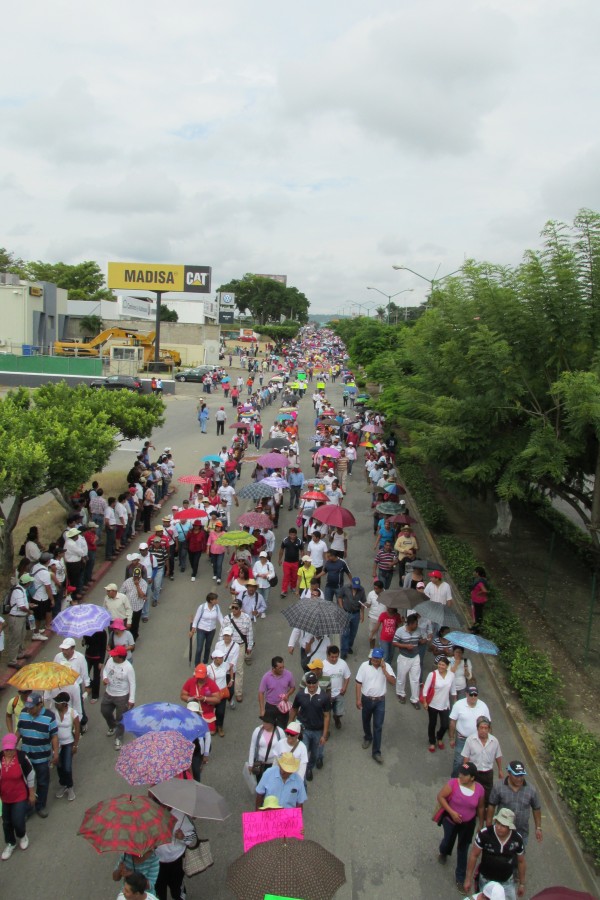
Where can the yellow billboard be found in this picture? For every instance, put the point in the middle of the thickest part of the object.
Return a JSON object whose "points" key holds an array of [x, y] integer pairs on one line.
{"points": [[157, 277]]}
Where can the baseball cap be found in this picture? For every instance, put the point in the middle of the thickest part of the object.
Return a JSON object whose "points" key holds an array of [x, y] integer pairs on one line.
{"points": [[420, 584], [131, 557], [32, 700], [111, 587], [66, 644], [311, 678], [46, 557], [294, 728], [494, 891], [468, 768], [227, 630], [505, 817], [315, 664], [263, 553], [356, 581], [25, 579], [377, 653], [517, 768], [118, 651], [143, 546], [435, 574], [473, 691], [200, 671], [9, 741], [306, 558]]}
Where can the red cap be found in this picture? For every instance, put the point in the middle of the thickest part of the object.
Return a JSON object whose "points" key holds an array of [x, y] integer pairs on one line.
{"points": [[435, 574], [118, 651], [200, 671]]}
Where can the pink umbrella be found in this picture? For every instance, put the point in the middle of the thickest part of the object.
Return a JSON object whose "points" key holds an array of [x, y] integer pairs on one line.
{"points": [[372, 429], [337, 516], [190, 479], [329, 451], [255, 520], [183, 514], [274, 461]]}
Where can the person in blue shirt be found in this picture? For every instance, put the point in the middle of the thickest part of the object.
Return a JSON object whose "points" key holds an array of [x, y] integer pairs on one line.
{"points": [[296, 483], [38, 731], [282, 781], [384, 532]]}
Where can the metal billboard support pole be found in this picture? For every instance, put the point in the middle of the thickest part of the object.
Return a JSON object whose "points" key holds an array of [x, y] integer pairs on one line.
{"points": [[157, 327]]}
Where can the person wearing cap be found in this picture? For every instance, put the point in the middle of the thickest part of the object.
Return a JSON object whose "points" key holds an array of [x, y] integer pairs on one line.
{"points": [[263, 571], [284, 782], [306, 573], [119, 677], [336, 670], [16, 618], [462, 800], [521, 797], [42, 598], [483, 749], [120, 636], [220, 672], [406, 546], [274, 691], [206, 691], [492, 891], [243, 635], [293, 744], [17, 794], [204, 625], [228, 649], [202, 745], [135, 588], [75, 660], [463, 723], [69, 731], [117, 604], [438, 590], [38, 732], [499, 850], [372, 679], [312, 708], [352, 599], [261, 753]]}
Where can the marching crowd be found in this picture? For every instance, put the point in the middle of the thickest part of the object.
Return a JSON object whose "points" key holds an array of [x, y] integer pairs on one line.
{"points": [[483, 809]]}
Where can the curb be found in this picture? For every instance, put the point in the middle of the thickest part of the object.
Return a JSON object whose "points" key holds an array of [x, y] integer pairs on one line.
{"points": [[521, 731], [100, 571]]}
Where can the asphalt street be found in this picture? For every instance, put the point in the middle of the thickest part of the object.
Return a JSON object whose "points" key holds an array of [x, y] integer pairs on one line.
{"points": [[377, 819]]}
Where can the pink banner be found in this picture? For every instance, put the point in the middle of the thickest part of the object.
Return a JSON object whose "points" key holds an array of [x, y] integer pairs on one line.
{"points": [[267, 824]]}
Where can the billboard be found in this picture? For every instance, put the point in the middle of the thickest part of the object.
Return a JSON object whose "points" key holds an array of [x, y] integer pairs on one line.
{"points": [[156, 277]]}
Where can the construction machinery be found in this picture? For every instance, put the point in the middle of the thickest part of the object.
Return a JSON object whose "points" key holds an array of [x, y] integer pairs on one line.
{"points": [[100, 345]]}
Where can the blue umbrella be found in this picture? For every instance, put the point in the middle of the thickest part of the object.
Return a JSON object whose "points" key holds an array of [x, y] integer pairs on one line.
{"points": [[211, 457], [472, 642], [78, 621], [164, 717]]}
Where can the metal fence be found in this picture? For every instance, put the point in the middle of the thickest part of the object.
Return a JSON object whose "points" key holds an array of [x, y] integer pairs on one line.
{"points": [[50, 365]]}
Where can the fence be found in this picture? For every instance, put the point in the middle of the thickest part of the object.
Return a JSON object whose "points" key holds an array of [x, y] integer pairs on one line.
{"points": [[50, 365]]}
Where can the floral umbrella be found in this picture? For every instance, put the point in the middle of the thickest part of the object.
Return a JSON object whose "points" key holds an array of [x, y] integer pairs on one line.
{"points": [[275, 481], [190, 479], [77, 621], [127, 824], [155, 757], [43, 676], [255, 520]]}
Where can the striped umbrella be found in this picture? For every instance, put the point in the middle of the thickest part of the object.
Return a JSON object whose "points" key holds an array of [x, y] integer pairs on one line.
{"points": [[127, 824]]}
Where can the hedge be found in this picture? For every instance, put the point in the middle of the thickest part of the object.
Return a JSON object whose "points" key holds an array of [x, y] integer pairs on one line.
{"points": [[432, 511]]}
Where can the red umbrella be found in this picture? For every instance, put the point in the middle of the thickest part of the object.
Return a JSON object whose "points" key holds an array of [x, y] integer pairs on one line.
{"points": [[561, 893], [127, 824], [190, 479], [334, 515], [183, 514], [315, 495], [255, 520], [241, 426], [274, 461], [402, 520]]}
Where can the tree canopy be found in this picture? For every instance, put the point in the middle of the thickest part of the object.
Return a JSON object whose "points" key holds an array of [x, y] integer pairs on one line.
{"points": [[268, 300]]}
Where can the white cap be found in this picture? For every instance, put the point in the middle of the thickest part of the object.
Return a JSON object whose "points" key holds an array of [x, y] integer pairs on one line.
{"points": [[143, 547], [494, 891], [53, 562], [67, 644], [263, 553], [133, 556], [227, 630], [111, 587]]}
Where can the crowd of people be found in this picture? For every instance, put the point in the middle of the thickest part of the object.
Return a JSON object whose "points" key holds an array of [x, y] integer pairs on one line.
{"points": [[485, 806]]}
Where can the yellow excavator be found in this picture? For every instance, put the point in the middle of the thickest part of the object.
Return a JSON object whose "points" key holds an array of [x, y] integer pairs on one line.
{"points": [[100, 345]]}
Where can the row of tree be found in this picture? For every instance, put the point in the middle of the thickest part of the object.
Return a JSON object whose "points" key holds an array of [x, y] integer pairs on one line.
{"points": [[55, 438], [267, 300], [498, 382]]}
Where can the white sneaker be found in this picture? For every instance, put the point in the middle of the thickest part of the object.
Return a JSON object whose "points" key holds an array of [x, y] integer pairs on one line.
{"points": [[60, 793], [214, 577], [263, 615], [71, 794], [193, 578], [110, 732], [36, 637], [8, 851], [218, 582], [24, 842], [42, 637]]}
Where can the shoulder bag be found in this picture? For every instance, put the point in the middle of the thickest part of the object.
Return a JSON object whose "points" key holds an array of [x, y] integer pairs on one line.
{"points": [[258, 767], [428, 697], [197, 858]]}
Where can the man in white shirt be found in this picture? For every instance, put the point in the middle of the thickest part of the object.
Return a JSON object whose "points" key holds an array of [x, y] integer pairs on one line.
{"points": [[316, 549], [339, 672], [437, 589], [372, 679], [118, 605], [228, 496], [76, 661], [463, 723]]}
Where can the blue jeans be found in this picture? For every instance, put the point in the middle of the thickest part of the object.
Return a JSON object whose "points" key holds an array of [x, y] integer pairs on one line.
{"points": [[204, 641], [157, 583], [330, 593], [42, 780], [64, 768], [217, 564], [14, 817], [385, 576], [464, 833], [315, 748], [183, 555], [373, 710], [349, 634]]}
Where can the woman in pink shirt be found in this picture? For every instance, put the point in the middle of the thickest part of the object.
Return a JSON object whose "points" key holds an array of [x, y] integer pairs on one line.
{"points": [[462, 802]]}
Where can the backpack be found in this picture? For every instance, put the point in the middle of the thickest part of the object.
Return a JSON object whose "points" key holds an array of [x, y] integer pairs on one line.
{"points": [[6, 601]]}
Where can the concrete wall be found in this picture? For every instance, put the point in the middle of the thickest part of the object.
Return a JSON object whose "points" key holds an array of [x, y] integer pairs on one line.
{"points": [[25, 379], [25, 319]]}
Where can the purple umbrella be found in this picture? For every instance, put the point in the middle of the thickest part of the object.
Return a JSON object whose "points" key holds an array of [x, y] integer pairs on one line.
{"points": [[274, 461], [276, 482], [78, 621]]}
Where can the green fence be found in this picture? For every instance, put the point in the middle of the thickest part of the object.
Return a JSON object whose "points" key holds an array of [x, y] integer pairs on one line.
{"points": [[50, 365]]}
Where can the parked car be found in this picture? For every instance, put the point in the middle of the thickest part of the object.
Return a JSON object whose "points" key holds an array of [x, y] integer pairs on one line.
{"points": [[118, 383], [196, 373]]}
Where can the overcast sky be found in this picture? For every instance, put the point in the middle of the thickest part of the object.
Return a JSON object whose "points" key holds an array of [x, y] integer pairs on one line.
{"points": [[324, 140]]}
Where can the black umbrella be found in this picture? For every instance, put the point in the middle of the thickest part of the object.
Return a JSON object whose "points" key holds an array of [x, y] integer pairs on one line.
{"points": [[276, 443], [286, 867], [256, 490], [402, 598], [318, 617]]}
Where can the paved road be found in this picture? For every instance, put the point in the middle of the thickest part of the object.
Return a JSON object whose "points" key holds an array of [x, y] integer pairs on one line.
{"points": [[376, 818]]}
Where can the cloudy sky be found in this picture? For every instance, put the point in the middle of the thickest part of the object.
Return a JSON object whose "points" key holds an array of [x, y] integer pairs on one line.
{"points": [[323, 140]]}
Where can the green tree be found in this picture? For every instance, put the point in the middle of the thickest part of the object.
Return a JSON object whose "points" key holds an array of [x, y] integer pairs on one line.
{"points": [[268, 300], [168, 315], [11, 264], [56, 438], [91, 325], [83, 281]]}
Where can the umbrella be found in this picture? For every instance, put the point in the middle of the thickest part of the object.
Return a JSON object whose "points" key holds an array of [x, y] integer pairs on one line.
{"points": [[129, 824], [43, 676], [329, 451], [274, 461], [255, 520], [183, 514], [196, 800], [164, 717], [255, 491], [367, 444], [428, 564], [154, 757], [318, 617], [472, 642], [235, 539], [561, 893], [402, 519], [372, 429], [241, 426], [189, 479], [77, 621], [210, 457], [401, 598], [361, 401], [438, 613], [284, 417], [286, 867], [394, 488], [276, 482], [389, 509], [315, 495], [337, 516], [289, 409], [276, 443]]}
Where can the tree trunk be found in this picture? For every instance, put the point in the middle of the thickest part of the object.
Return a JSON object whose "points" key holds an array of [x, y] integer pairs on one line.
{"points": [[60, 496], [7, 550], [504, 519]]}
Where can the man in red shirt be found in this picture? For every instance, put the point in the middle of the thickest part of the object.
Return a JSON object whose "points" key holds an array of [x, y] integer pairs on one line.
{"points": [[205, 691], [388, 622]]}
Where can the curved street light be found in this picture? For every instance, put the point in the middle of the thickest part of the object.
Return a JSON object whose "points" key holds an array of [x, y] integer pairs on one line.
{"points": [[390, 297], [431, 281]]}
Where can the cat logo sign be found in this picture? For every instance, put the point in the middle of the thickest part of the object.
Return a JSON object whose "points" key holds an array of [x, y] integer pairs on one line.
{"points": [[159, 278]]}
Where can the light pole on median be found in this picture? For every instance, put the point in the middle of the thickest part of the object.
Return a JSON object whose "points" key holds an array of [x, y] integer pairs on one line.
{"points": [[367, 306], [390, 297], [431, 281]]}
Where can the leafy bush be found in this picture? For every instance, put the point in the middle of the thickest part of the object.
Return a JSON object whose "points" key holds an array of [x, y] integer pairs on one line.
{"points": [[575, 762], [531, 673], [416, 479]]}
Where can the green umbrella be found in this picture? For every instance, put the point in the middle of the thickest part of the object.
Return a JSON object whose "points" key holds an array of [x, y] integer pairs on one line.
{"points": [[235, 539]]}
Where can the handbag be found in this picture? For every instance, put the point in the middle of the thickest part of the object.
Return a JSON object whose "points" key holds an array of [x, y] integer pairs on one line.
{"points": [[197, 859], [428, 697], [274, 581], [438, 814]]}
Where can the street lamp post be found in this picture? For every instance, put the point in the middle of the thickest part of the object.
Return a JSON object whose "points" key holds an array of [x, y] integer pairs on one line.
{"points": [[367, 306], [431, 281], [390, 297]]}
